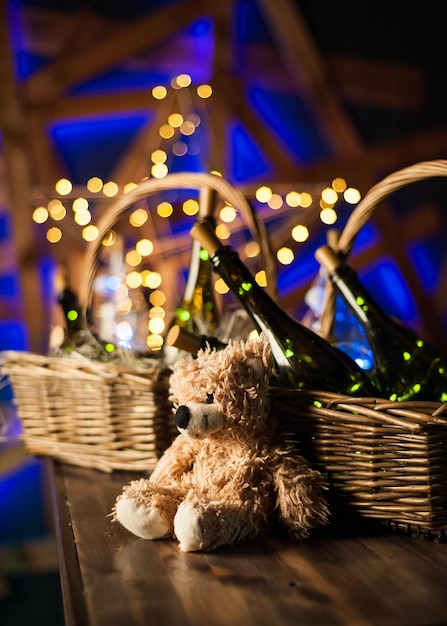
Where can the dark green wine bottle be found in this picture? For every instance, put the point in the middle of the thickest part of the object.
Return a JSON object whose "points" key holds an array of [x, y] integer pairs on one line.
{"points": [[405, 366], [303, 359], [79, 338], [197, 310]]}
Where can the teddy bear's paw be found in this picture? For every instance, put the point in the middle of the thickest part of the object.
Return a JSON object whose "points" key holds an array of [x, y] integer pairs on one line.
{"points": [[188, 528], [142, 520]]}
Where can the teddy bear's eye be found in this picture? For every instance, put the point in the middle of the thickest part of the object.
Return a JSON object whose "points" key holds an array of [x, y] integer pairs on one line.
{"points": [[209, 398]]}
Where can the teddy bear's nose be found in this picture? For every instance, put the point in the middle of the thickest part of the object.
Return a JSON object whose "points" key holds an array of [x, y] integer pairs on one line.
{"points": [[182, 416]]}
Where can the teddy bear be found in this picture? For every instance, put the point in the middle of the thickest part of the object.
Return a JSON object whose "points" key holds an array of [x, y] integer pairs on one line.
{"points": [[230, 471]]}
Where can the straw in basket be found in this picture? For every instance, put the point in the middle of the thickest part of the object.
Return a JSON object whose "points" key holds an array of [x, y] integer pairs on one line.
{"points": [[387, 460], [112, 415]]}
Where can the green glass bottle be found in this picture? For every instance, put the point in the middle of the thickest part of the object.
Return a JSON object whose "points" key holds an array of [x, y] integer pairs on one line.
{"points": [[304, 360], [78, 337], [405, 366], [197, 310]]}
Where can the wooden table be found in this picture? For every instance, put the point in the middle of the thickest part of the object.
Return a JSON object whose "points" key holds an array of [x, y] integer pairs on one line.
{"points": [[358, 576]]}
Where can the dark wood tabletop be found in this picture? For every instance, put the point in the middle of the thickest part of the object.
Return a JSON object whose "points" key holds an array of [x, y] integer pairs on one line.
{"points": [[347, 574]]}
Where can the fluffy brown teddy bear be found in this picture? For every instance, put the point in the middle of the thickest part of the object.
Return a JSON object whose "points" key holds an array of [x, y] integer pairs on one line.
{"points": [[229, 472]]}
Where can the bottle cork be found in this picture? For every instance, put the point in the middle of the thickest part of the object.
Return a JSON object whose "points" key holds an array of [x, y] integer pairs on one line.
{"points": [[203, 232], [327, 258], [183, 339]]}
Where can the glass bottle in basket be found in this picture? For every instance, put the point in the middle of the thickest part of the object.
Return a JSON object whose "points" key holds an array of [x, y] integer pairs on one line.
{"points": [[406, 367], [197, 309], [303, 359]]}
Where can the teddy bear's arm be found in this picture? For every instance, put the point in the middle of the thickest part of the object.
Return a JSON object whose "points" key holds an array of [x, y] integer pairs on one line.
{"points": [[300, 495], [175, 462]]}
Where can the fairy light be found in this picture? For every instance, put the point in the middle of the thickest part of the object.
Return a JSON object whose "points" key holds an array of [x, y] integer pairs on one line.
{"points": [[293, 199], [90, 233], [228, 214], [94, 184], [187, 128], [285, 255], [252, 249], [166, 131], [58, 212], [179, 148], [351, 195], [329, 195], [82, 218], [153, 280], [159, 92], [204, 91], [40, 215], [306, 200], [159, 156], [79, 205], [156, 325], [133, 258], [221, 287], [134, 280], [165, 209], [154, 342], [300, 233], [261, 278], [128, 187], [183, 80], [194, 118], [328, 216], [275, 201], [175, 120], [144, 247], [190, 207], [263, 194], [138, 217], [110, 189], [159, 170], [109, 239], [63, 187], [339, 184], [222, 231], [157, 311], [157, 298], [54, 234]]}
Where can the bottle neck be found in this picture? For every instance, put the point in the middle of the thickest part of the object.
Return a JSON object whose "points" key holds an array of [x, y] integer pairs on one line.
{"points": [[72, 311], [359, 300]]}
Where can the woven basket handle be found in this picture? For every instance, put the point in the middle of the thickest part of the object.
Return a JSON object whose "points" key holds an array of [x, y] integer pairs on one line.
{"points": [[362, 213], [186, 180]]}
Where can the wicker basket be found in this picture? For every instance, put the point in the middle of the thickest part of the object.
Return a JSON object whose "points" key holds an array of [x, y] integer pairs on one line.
{"points": [[387, 460], [106, 415]]}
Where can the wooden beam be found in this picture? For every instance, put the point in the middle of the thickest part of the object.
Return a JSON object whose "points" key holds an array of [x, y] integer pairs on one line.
{"points": [[378, 83], [21, 178], [308, 72], [145, 33], [380, 160], [359, 81]]}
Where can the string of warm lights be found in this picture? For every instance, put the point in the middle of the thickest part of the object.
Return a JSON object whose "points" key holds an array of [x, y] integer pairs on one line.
{"points": [[77, 201]]}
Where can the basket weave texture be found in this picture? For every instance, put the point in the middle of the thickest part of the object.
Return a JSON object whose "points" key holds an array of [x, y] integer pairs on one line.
{"points": [[388, 460], [113, 415], [89, 413]]}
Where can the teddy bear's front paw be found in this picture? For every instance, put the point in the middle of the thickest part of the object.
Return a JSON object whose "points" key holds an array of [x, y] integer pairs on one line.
{"points": [[142, 520], [188, 528]]}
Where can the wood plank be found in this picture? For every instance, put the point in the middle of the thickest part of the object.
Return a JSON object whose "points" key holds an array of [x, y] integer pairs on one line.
{"points": [[345, 574], [308, 72]]}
